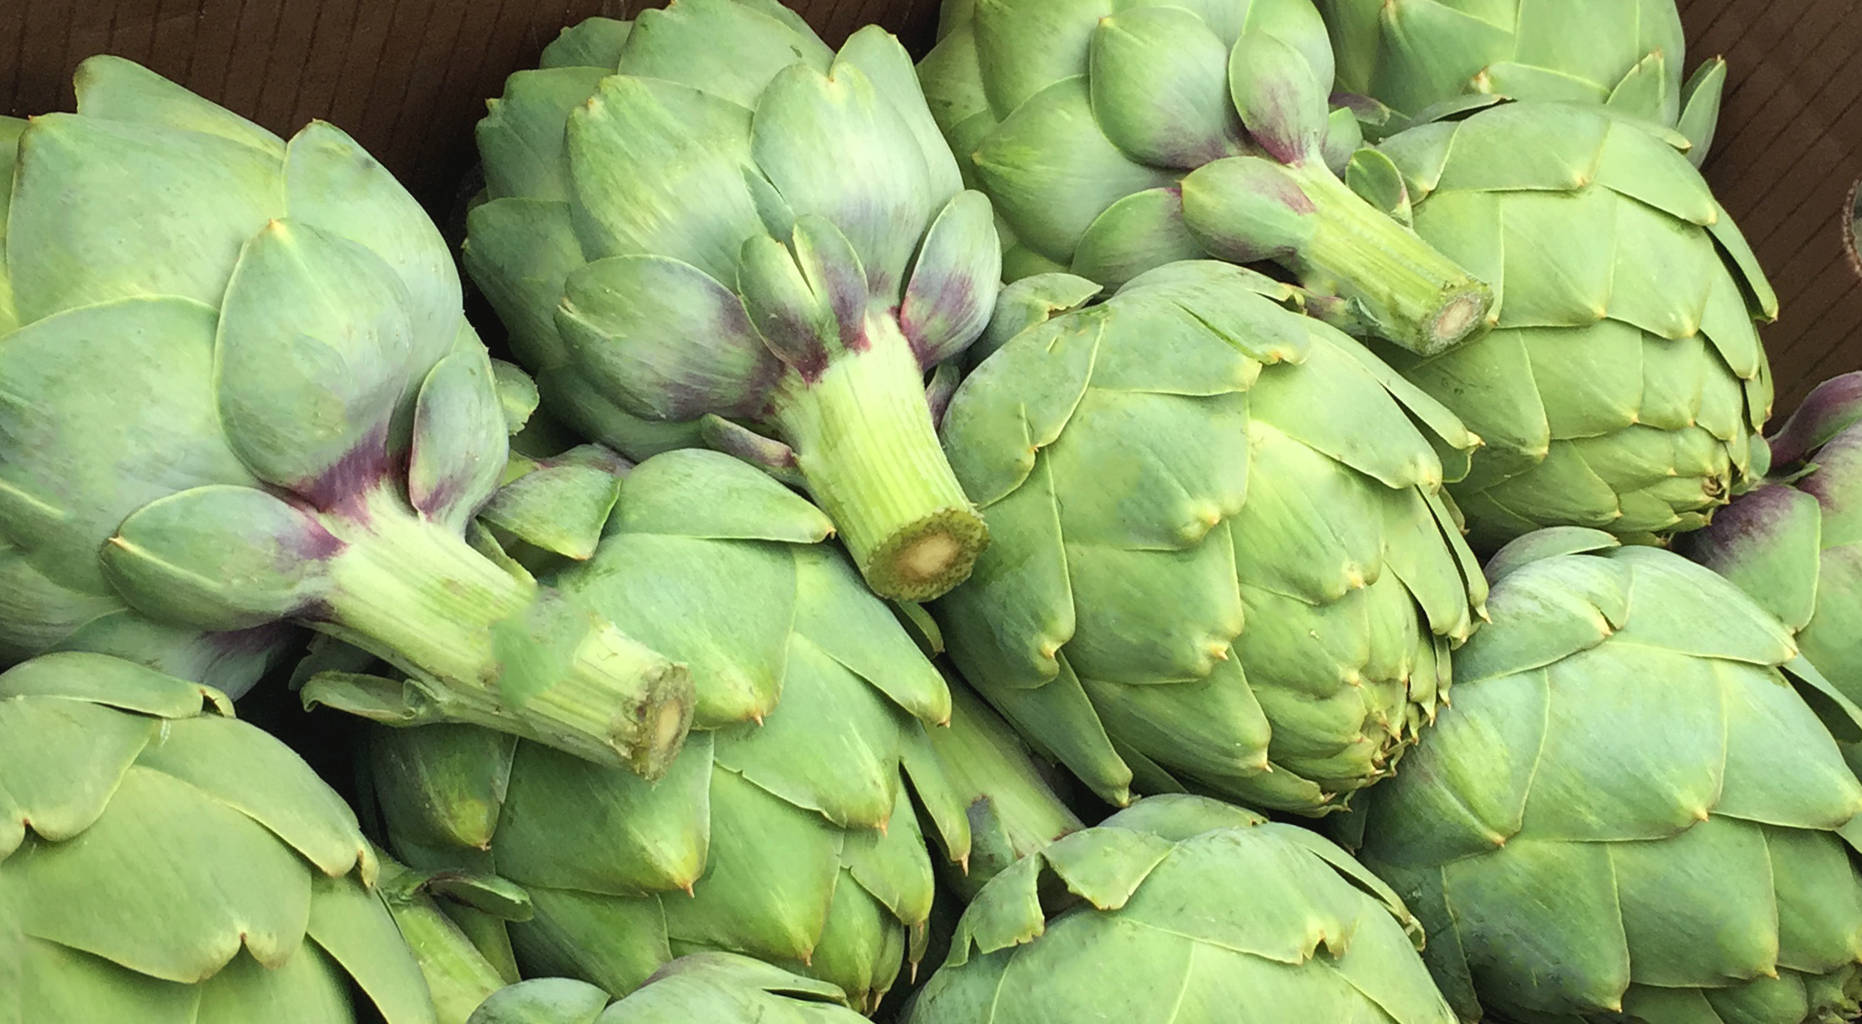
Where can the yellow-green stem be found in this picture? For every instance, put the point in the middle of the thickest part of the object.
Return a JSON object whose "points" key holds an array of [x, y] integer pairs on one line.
{"points": [[865, 446], [496, 650]]}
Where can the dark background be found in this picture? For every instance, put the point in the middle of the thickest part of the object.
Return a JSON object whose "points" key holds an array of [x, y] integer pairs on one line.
{"points": [[407, 78]]}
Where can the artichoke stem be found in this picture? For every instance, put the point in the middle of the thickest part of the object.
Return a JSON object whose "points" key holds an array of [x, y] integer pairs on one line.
{"points": [[866, 448], [501, 651], [1413, 295]]}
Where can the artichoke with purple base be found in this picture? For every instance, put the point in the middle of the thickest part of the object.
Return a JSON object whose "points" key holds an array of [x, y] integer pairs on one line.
{"points": [[1115, 137], [1794, 542], [241, 392], [706, 226]]}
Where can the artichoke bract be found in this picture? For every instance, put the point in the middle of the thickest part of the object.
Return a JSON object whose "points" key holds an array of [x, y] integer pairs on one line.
{"points": [[784, 830], [1116, 137], [1794, 542], [716, 988], [1221, 555], [1009, 802], [1183, 910], [162, 862], [241, 391], [707, 225], [1415, 54], [1623, 383], [1632, 812]]}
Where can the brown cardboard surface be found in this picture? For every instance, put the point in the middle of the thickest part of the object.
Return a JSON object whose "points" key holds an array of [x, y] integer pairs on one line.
{"points": [[1788, 155], [408, 78]]}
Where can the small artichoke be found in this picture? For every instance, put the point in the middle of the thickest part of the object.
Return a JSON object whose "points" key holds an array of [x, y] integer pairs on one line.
{"points": [[706, 225], [1115, 136], [1630, 814], [163, 863], [1623, 383], [241, 392], [1183, 910], [1221, 556], [1627, 54]]}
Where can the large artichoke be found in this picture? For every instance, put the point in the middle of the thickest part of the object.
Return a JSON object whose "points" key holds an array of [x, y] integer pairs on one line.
{"points": [[1794, 542], [1118, 135], [785, 830], [1627, 54], [163, 863], [1183, 910], [707, 215], [1630, 814], [712, 988], [1221, 557], [1624, 381], [242, 392]]}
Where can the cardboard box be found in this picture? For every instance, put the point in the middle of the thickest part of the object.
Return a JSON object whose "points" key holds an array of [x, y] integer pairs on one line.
{"points": [[408, 78]]}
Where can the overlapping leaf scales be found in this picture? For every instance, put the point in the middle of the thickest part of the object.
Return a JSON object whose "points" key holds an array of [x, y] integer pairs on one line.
{"points": [[658, 168], [729, 48]]}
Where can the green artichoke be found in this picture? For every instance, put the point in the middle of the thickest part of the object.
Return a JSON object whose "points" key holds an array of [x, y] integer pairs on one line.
{"points": [[241, 392], [1624, 381], [785, 830], [1794, 542], [1195, 579], [706, 225], [163, 863], [1115, 137], [1415, 54], [1183, 910], [714, 988], [1630, 815]]}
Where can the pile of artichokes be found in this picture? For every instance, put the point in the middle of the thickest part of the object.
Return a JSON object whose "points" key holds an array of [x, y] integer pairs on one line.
{"points": [[1158, 512]]}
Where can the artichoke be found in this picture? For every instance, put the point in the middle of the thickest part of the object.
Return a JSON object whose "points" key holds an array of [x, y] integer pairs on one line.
{"points": [[1195, 579], [1624, 381], [1794, 542], [1183, 910], [1115, 137], [716, 988], [784, 830], [241, 392], [1630, 814], [1416, 54], [706, 225], [163, 863]]}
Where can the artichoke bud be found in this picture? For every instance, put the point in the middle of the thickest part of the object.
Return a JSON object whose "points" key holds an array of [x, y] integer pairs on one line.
{"points": [[165, 859], [314, 423]]}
